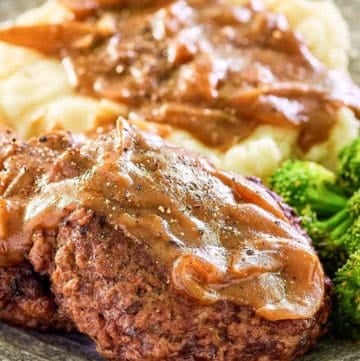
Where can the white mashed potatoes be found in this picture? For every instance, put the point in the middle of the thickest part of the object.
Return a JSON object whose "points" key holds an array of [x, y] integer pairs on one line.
{"points": [[36, 95]]}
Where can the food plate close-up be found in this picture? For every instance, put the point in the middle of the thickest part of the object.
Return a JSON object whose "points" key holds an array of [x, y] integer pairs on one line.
{"points": [[179, 180]]}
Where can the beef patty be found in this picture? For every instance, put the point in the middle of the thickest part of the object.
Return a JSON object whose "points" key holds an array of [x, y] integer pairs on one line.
{"points": [[159, 256], [117, 293], [25, 296]]}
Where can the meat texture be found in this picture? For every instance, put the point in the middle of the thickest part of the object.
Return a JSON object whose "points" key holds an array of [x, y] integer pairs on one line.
{"points": [[26, 300], [25, 296], [150, 252], [123, 299]]}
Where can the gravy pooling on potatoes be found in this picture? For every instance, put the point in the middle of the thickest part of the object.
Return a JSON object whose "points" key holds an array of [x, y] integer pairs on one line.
{"points": [[216, 235], [210, 68]]}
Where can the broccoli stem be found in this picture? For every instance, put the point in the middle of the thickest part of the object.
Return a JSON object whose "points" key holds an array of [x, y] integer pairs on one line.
{"points": [[337, 233], [334, 221], [334, 227], [325, 201]]}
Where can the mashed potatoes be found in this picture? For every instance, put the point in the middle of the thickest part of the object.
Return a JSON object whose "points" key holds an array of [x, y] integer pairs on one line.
{"points": [[36, 95]]}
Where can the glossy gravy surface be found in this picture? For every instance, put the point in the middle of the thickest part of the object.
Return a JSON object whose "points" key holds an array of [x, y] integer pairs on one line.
{"points": [[213, 69], [218, 236]]}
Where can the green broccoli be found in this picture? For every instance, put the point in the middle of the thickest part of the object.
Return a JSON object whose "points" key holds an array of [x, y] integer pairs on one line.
{"points": [[334, 227], [354, 205], [347, 291], [336, 237], [308, 218], [303, 183], [351, 239], [333, 256], [339, 229], [349, 167], [329, 207]]}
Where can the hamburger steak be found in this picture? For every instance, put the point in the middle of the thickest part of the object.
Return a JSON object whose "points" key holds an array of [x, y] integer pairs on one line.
{"points": [[156, 255], [25, 296], [132, 311]]}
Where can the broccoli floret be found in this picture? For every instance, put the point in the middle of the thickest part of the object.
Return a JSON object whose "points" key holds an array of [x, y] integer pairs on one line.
{"points": [[349, 167], [303, 183], [351, 239], [347, 291], [354, 205], [308, 219]]}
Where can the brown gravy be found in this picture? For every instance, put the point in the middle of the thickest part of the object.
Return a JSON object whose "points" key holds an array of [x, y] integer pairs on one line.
{"points": [[217, 235], [213, 69]]}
